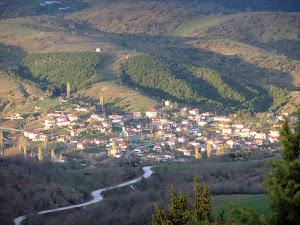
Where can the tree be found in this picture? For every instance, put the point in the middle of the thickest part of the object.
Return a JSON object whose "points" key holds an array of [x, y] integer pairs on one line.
{"points": [[25, 151], [198, 155], [1, 139], [101, 101], [222, 150], [68, 90], [208, 150], [283, 181], [199, 212], [52, 154], [181, 213], [40, 156]]}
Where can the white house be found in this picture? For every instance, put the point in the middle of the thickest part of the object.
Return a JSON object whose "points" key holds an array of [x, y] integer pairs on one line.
{"points": [[152, 113]]}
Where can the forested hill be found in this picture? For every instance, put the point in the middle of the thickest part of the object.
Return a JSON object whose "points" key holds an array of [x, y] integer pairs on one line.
{"points": [[184, 83], [52, 71]]}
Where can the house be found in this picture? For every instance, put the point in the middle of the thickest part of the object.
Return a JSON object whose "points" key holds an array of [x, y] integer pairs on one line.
{"points": [[152, 114], [185, 122], [261, 135], [168, 103], [230, 142], [274, 133], [221, 118], [14, 116], [183, 140], [158, 148], [224, 125], [33, 135], [207, 114], [259, 141], [116, 139], [273, 139], [202, 123], [185, 109], [72, 117], [62, 139], [170, 135], [246, 129], [161, 132], [49, 123], [194, 143], [181, 149], [115, 117], [137, 115], [244, 134], [142, 149], [253, 133], [99, 141], [227, 131], [172, 143], [188, 153], [118, 122], [83, 109], [239, 126], [63, 123], [82, 145], [194, 112], [105, 124]]}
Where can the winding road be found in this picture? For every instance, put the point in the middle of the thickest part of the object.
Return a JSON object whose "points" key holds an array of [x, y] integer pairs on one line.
{"points": [[97, 197]]}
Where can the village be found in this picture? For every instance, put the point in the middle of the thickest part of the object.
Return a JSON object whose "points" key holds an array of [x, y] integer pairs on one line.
{"points": [[165, 134]]}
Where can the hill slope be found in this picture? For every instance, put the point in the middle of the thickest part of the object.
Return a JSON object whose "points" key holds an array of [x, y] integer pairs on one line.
{"points": [[191, 84], [272, 31], [16, 95], [119, 97]]}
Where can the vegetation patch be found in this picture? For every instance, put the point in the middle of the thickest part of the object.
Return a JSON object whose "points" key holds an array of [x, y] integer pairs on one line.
{"points": [[191, 84], [52, 71]]}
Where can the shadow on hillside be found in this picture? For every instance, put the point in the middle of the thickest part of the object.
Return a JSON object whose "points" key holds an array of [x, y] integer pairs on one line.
{"points": [[177, 49], [10, 55], [289, 48]]}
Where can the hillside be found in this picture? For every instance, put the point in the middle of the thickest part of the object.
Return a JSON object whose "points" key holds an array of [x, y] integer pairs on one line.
{"points": [[248, 48], [184, 83], [54, 70], [15, 94], [119, 97], [141, 17], [272, 31], [280, 65]]}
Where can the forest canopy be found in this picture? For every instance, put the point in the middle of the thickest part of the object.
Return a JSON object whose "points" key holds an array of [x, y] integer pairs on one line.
{"points": [[54, 70], [190, 84]]}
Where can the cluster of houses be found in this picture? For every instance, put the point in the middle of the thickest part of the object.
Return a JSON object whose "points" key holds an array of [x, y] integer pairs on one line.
{"points": [[168, 136]]}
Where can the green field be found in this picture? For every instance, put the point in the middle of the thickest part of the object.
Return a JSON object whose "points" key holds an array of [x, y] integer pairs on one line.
{"points": [[201, 21], [258, 202], [49, 102]]}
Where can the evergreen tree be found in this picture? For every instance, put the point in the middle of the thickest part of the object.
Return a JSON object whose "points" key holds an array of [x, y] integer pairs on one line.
{"points": [[68, 90], [283, 182], [52, 154], [179, 211], [1, 139], [40, 156], [208, 150]]}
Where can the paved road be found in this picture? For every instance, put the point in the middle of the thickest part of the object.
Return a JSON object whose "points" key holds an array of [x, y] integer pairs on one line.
{"points": [[97, 197]]}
